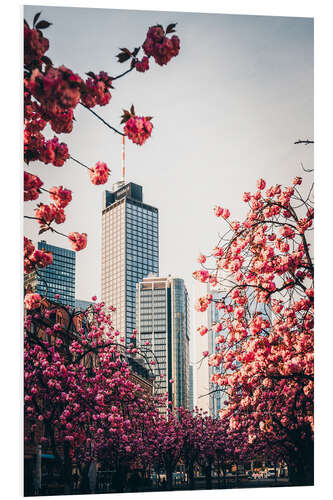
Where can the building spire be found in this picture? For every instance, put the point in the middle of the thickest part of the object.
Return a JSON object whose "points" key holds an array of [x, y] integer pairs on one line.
{"points": [[123, 139]]}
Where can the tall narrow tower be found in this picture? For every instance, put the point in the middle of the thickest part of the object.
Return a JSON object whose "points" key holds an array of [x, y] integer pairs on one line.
{"points": [[162, 319], [129, 250]]}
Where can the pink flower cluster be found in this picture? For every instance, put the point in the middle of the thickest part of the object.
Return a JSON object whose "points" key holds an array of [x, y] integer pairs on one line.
{"points": [[57, 92], [202, 330], [203, 302], [46, 214], [61, 196], [78, 241], [34, 258], [32, 185], [32, 300], [142, 65], [201, 275], [159, 46], [35, 46], [96, 90], [99, 174], [51, 151], [222, 212], [138, 129]]}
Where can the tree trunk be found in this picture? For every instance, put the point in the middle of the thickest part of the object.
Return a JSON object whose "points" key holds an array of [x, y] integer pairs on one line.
{"points": [[224, 477], [191, 475], [169, 472], [301, 466], [120, 479], [208, 474], [84, 481], [67, 470], [218, 476]]}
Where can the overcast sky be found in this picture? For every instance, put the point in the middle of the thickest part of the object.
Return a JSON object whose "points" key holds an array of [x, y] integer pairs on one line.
{"points": [[226, 111]]}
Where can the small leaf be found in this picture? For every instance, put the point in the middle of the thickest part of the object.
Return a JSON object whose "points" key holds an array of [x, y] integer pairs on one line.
{"points": [[41, 231], [36, 18], [27, 25], [132, 109], [122, 57], [126, 116], [42, 25], [126, 51], [135, 51], [148, 118], [91, 74], [170, 28]]}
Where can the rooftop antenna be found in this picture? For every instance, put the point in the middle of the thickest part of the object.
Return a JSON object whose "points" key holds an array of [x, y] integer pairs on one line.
{"points": [[123, 138]]}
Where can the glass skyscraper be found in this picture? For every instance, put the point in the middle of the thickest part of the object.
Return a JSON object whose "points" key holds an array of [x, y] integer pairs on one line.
{"points": [[129, 250], [82, 305], [191, 386], [162, 319], [59, 277]]}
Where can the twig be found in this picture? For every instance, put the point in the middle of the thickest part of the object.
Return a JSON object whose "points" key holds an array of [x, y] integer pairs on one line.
{"points": [[102, 120], [82, 164], [304, 141], [123, 74]]}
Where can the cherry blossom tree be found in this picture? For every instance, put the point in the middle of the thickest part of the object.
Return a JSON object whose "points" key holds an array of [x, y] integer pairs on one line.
{"points": [[265, 337], [80, 400], [51, 96]]}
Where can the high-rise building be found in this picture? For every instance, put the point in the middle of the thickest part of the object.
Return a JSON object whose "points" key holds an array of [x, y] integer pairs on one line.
{"points": [[201, 376], [162, 320], [191, 368], [82, 305], [207, 395], [57, 278], [216, 397], [129, 250]]}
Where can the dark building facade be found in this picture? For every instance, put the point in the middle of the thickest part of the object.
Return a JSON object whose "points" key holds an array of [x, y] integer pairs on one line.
{"points": [[57, 278], [130, 250]]}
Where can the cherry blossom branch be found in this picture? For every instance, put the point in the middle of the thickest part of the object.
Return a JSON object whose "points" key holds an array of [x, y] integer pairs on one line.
{"points": [[306, 170], [79, 163], [48, 225], [123, 74], [304, 141], [102, 120]]}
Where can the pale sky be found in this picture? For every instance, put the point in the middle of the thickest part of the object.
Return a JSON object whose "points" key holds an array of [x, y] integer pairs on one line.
{"points": [[226, 110]]}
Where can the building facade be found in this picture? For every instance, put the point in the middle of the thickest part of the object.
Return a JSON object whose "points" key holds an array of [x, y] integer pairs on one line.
{"points": [[191, 370], [201, 374], [205, 394], [57, 278], [129, 250], [162, 323], [82, 305]]}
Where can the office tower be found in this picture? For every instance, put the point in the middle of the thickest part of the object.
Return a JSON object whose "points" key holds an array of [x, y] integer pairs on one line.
{"points": [[201, 375], [129, 250], [82, 305], [216, 397], [57, 278], [191, 386], [162, 319], [206, 396]]}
